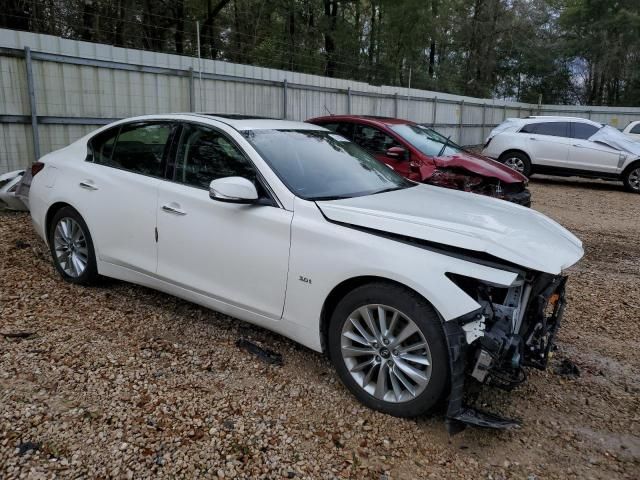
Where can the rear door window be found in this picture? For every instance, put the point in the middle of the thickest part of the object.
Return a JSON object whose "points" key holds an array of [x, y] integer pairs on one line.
{"points": [[552, 129], [138, 147], [583, 131], [101, 146], [636, 129]]}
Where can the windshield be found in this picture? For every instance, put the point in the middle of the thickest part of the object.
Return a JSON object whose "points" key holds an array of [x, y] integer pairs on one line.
{"points": [[320, 165], [426, 140]]}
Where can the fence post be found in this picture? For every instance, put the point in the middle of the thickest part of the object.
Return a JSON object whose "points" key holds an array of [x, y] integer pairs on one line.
{"points": [[435, 111], [460, 126], [32, 103], [395, 105], [484, 121], [284, 99], [504, 112], [192, 91], [349, 101], [589, 112]]}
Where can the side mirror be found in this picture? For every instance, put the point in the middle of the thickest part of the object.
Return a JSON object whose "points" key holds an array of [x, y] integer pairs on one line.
{"points": [[397, 153], [233, 190]]}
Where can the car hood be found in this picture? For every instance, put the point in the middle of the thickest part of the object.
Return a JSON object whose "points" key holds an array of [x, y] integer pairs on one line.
{"points": [[463, 220], [616, 139], [481, 166]]}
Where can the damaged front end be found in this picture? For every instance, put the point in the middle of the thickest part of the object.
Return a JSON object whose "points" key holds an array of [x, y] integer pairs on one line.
{"points": [[466, 181], [514, 328]]}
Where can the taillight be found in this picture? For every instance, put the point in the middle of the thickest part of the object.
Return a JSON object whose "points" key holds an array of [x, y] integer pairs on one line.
{"points": [[36, 167]]}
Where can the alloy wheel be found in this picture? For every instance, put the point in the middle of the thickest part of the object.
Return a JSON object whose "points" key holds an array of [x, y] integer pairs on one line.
{"points": [[516, 163], [634, 179], [70, 246], [386, 353]]}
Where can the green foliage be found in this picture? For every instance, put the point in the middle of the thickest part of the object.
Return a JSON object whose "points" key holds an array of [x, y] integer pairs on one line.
{"points": [[560, 51]]}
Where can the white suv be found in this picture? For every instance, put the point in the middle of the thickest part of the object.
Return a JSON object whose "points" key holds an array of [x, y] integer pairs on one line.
{"points": [[566, 146], [633, 130]]}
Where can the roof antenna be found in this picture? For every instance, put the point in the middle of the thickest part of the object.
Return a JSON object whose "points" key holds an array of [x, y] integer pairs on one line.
{"points": [[328, 111]]}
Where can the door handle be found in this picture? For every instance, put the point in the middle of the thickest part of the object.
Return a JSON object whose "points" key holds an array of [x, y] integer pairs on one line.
{"points": [[173, 210], [88, 185], [533, 138], [577, 145]]}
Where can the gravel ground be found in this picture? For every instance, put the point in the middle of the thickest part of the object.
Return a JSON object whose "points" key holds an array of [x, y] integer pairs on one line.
{"points": [[121, 381]]}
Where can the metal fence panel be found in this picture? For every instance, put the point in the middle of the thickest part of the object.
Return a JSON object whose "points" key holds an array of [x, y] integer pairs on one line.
{"points": [[78, 86]]}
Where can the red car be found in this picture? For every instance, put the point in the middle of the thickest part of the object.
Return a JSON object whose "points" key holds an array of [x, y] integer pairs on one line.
{"points": [[423, 155]]}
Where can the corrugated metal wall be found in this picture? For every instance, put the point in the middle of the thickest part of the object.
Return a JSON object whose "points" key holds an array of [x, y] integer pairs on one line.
{"points": [[79, 86]]}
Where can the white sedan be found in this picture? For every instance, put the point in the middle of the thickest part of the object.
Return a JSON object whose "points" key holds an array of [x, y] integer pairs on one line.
{"points": [[411, 289]]}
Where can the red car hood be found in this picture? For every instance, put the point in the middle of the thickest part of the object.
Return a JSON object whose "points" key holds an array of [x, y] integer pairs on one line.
{"points": [[480, 165]]}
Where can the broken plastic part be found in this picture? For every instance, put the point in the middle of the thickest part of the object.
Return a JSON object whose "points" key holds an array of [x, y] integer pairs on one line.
{"points": [[477, 418], [269, 356], [481, 368], [567, 368], [474, 330]]}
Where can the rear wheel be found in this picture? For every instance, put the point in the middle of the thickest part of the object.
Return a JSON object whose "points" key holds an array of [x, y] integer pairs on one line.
{"points": [[631, 178], [518, 161], [72, 248], [388, 347]]}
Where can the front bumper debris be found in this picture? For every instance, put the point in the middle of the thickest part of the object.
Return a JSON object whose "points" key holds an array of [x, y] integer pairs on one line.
{"points": [[499, 356], [520, 198]]}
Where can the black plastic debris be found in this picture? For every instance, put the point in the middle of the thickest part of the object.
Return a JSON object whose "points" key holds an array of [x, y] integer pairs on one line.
{"points": [[567, 368], [21, 244], [17, 334], [478, 418], [26, 447], [264, 354]]}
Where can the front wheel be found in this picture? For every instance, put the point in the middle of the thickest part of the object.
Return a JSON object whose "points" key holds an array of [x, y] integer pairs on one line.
{"points": [[518, 161], [388, 347], [631, 178]]}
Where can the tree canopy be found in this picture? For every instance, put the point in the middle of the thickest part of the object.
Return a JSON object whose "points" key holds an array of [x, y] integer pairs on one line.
{"points": [[559, 51]]}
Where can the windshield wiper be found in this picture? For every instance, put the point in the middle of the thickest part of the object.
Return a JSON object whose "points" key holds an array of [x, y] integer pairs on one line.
{"points": [[391, 189], [328, 197], [444, 147]]}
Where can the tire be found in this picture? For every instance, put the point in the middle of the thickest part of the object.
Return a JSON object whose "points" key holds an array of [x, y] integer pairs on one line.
{"points": [[71, 246], [631, 178], [412, 310], [519, 161]]}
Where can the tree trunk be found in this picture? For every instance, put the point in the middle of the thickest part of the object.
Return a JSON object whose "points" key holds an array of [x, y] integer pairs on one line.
{"points": [[432, 44], [88, 20], [179, 25], [16, 15], [292, 34], [208, 33], [372, 42], [118, 34], [330, 13]]}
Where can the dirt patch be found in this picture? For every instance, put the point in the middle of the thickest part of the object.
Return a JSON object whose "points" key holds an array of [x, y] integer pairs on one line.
{"points": [[122, 381]]}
